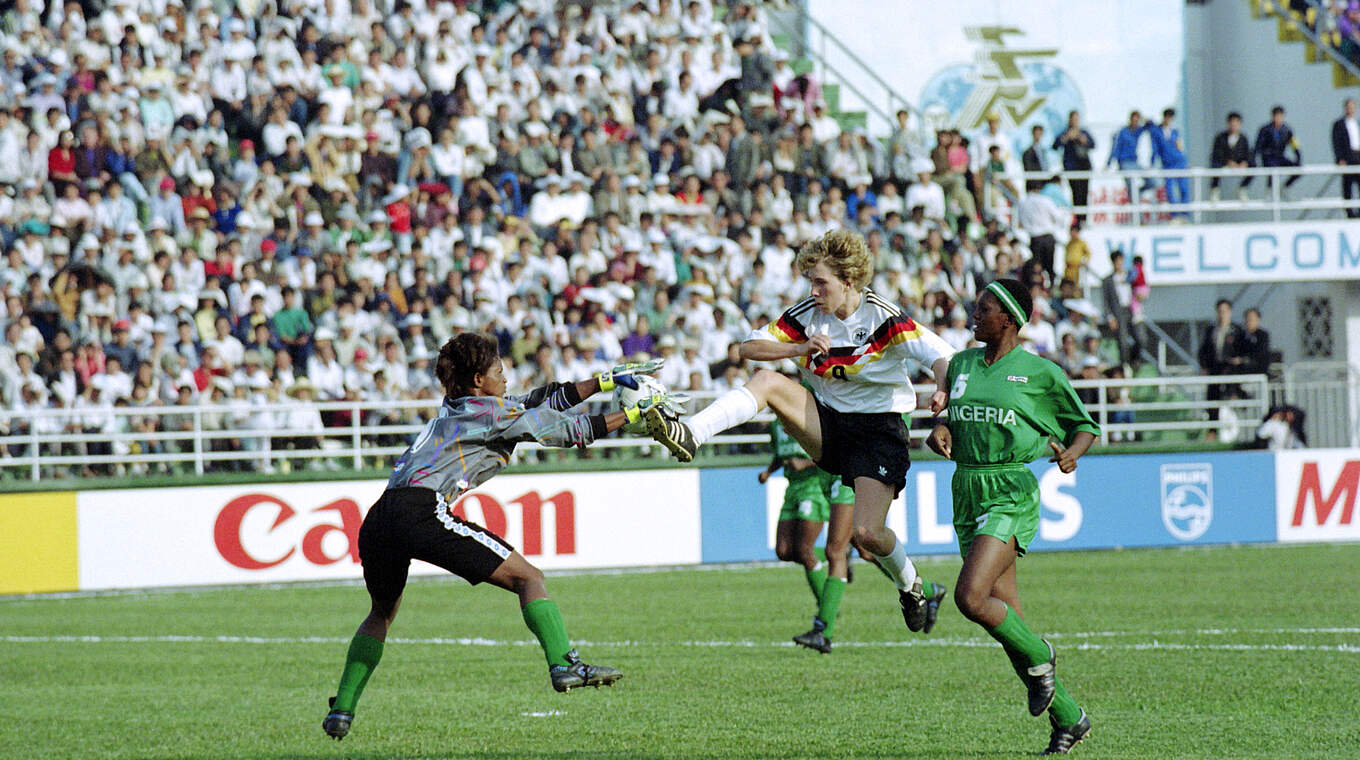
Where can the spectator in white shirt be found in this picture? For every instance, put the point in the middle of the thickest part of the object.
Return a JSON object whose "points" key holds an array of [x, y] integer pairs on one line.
{"points": [[927, 193], [338, 96]]}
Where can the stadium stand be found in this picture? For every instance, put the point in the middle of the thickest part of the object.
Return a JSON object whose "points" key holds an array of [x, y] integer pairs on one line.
{"points": [[305, 203]]}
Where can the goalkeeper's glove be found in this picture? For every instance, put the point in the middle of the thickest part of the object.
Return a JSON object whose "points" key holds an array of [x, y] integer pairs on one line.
{"points": [[623, 374], [670, 403]]}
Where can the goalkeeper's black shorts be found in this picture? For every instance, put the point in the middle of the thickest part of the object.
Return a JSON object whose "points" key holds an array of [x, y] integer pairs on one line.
{"points": [[416, 523]]}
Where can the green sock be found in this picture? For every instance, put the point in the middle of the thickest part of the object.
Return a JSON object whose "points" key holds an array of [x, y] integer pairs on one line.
{"points": [[1020, 642], [1064, 708], [831, 604], [545, 620], [816, 578], [364, 654]]}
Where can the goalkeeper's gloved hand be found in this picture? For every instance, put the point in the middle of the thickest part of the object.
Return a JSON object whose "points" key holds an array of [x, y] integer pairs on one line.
{"points": [[623, 374], [670, 403]]}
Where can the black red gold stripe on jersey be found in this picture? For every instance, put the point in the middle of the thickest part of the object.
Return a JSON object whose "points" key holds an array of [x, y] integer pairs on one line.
{"points": [[894, 330], [789, 327]]}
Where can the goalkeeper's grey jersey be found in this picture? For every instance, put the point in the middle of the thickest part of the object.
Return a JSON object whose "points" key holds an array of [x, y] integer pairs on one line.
{"points": [[474, 436]]}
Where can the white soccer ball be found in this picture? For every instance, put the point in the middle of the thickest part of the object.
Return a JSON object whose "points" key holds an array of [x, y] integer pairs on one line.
{"points": [[625, 398]]}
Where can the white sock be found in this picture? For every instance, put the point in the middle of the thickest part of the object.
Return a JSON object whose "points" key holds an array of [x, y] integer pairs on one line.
{"points": [[898, 565], [728, 410]]}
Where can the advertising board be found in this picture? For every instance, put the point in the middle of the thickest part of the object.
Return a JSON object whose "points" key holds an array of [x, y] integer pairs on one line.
{"points": [[1110, 501], [309, 531], [1315, 495]]}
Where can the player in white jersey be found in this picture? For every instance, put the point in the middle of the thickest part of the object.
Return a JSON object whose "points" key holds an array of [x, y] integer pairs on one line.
{"points": [[851, 346]]}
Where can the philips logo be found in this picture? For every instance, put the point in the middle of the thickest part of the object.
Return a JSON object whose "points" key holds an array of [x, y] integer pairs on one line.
{"points": [[1187, 499]]}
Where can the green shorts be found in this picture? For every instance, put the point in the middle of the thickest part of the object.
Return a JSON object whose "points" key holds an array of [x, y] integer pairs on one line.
{"points": [[1000, 501], [810, 495], [840, 492]]}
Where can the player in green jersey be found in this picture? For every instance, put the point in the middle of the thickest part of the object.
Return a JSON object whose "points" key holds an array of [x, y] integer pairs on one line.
{"points": [[813, 498], [1006, 406]]}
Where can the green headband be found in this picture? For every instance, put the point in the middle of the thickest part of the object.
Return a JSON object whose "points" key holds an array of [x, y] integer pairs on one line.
{"points": [[1007, 300]]}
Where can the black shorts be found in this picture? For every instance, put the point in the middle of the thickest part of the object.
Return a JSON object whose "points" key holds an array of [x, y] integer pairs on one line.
{"points": [[864, 445], [415, 523]]}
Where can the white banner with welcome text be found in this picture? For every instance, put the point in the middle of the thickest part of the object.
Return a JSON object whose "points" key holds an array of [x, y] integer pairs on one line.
{"points": [[1225, 253]]}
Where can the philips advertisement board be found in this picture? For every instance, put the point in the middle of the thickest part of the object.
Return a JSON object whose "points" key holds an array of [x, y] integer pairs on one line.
{"points": [[1110, 501]]}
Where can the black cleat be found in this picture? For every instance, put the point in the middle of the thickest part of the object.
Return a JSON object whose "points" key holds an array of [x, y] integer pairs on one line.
{"points": [[670, 432], [336, 724], [1040, 680], [577, 674], [933, 607], [814, 639], [1062, 740], [913, 603]]}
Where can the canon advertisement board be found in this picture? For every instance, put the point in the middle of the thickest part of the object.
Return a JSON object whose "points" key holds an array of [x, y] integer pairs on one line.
{"points": [[309, 531]]}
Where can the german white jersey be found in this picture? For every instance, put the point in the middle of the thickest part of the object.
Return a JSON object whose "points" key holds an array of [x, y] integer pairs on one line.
{"points": [[867, 368]]}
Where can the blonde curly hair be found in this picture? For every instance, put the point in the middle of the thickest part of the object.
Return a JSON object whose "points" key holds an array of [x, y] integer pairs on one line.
{"points": [[845, 254]]}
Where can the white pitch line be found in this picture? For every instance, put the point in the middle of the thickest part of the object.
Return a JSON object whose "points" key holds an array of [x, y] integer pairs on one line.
{"points": [[1201, 632], [1138, 646]]}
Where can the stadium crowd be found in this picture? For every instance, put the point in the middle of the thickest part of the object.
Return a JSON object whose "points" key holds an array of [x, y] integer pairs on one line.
{"points": [[211, 206]]}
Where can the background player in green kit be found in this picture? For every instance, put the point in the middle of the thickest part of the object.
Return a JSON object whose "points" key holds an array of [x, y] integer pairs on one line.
{"points": [[1005, 406], [813, 498]]}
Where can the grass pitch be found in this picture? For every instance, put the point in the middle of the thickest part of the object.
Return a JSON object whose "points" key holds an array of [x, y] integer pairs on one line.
{"points": [[1233, 652]]}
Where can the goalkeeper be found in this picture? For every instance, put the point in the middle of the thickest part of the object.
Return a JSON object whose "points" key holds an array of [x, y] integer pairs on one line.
{"points": [[470, 440], [813, 498]]}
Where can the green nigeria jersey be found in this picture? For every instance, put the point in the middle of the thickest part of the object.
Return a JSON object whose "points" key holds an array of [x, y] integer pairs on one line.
{"points": [[1005, 413], [786, 448]]}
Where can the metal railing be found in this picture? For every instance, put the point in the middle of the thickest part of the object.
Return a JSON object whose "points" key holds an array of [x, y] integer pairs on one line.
{"points": [[366, 435], [1176, 409], [1329, 392], [1281, 9], [1109, 203], [816, 42]]}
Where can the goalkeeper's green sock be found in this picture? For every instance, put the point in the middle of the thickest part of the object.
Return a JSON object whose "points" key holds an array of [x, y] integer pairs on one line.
{"points": [[816, 577], [545, 620], [1064, 708], [832, 593], [364, 654]]}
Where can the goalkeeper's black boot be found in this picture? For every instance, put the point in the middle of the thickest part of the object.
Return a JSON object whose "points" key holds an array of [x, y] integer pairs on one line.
{"points": [[1063, 739], [1041, 681], [576, 674], [336, 724], [670, 432]]}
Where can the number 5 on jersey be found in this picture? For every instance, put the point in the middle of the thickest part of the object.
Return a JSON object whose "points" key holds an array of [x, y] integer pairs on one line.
{"points": [[960, 383]]}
